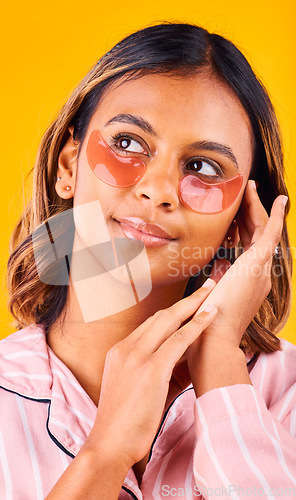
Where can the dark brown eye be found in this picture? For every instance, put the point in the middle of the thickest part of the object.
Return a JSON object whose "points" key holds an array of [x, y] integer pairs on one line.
{"points": [[124, 143], [130, 145], [202, 167]]}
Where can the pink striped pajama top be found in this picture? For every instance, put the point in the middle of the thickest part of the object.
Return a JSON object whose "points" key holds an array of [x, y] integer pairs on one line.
{"points": [[235, 441]]}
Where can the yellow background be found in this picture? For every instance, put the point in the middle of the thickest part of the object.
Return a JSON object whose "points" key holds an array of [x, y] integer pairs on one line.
{"points": [[47, 47]]}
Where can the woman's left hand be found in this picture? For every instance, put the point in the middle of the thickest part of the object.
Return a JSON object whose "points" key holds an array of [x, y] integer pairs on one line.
{"points": [[238, 296]]}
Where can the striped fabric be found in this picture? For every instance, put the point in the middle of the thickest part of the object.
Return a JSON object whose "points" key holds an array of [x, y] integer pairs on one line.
{"points": [[234, 441]]}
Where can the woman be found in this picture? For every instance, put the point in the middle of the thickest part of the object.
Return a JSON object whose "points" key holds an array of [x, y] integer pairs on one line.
{"points": [[141, 180]]}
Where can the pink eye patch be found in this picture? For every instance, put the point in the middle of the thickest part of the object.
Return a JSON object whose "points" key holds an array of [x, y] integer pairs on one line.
{"points": [[209, 198], [194, 193], [115, 170]]}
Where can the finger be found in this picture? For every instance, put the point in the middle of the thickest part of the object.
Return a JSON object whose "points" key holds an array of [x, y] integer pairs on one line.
{"points": [[154, 331], [175, 346], [219, 269], [263, 249], [253, 213]]}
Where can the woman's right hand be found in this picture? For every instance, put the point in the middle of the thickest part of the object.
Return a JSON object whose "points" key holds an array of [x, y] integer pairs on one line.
{"points": [[136, 379]]}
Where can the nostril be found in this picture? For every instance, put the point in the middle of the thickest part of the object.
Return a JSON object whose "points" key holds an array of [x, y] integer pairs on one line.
{"points": [[158, 193], [165, 203]]}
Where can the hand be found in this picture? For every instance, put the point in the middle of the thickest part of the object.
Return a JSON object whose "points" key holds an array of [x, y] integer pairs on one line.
{"points": [[242, 289], [136, 379]]}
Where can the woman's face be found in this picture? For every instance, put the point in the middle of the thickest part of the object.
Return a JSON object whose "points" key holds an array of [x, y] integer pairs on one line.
{"points": [[173, 125]]}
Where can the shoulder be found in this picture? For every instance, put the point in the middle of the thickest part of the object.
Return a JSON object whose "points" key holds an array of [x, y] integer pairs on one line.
{"points": [[24, 336], [24, 362], [31, 338]]}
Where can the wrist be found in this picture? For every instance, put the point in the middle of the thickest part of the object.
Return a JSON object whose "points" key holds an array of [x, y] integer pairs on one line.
{"points": [[209, 346], [95, 473], [221, 345], [103, 456], [217, 363]]}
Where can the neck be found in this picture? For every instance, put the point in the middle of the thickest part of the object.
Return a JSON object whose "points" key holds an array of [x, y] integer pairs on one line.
{"points": [[82, 345]]}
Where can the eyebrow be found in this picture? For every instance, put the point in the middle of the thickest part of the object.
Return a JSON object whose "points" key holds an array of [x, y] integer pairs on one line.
{"points": [[134, 120], [147, 127], [216, 147]]}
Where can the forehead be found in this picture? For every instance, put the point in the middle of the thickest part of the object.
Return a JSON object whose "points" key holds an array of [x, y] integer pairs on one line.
{"points": [[180, 108]]}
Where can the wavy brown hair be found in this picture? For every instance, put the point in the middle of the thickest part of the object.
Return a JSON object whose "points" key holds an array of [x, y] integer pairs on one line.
{"points": [[172, 49]]}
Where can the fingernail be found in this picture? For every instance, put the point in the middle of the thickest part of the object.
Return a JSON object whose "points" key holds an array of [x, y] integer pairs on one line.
{"points": [[285, 199], [253, 183], [209, 282], [210, 308]]}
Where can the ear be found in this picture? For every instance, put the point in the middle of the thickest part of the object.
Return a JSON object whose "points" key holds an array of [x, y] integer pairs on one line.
{"points": [[232, 237], [67, 166]]}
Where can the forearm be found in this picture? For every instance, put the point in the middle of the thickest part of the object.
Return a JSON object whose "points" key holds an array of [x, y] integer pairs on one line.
{"points": [[216, 363], [91, 475]]}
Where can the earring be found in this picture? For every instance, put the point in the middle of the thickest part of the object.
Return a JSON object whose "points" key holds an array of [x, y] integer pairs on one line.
{"points": [[58, 179], [228, 238], [68, 188]]}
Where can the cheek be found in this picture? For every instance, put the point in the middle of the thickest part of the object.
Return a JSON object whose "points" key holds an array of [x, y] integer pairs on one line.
{"points": [[204, 237], [89, 188], [91, 200], [208, 231]]}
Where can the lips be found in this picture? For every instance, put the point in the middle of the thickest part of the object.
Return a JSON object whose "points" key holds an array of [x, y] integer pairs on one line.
{"points": [[149, 234]]}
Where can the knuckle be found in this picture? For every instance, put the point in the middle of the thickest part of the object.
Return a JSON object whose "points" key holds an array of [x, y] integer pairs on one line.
{"points": [[163, 314], [173, 315], [198, 320], [117, 351], [179, 336], [159, 314], [123, 355]]}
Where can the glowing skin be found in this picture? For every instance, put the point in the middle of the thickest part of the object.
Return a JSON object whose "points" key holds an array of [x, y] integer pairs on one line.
{"points": [[199, 196], [189, 119]]}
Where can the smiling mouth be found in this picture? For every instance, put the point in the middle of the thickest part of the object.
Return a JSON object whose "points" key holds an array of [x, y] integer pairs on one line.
{"points": [[149, 234]]}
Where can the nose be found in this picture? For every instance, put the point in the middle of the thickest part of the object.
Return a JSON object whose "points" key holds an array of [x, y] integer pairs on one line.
{"points": [[159, 185]]}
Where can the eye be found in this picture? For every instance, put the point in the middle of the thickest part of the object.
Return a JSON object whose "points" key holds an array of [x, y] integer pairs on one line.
{"points": [[127, 144], [204, 168]]}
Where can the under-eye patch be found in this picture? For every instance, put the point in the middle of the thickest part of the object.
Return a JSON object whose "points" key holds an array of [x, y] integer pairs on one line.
{"points": [[111, 168], [209, 198], [196, 194]]}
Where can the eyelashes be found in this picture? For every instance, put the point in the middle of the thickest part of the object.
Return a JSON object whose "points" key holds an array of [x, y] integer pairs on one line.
{"points": [[210, 170], [128, 138]]}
